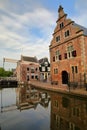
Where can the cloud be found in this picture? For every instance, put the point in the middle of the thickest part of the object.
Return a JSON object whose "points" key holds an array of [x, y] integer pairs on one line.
{"points": [[80, 6], [27, 31], [80, 17]]}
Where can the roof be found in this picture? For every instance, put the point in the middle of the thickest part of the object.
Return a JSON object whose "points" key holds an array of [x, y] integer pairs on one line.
{"points": [[30, 59], [45, 59], [82, 28]]}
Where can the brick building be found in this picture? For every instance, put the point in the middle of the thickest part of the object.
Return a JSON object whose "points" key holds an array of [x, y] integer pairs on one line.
{"points": [[27, 69], [68, 53]]}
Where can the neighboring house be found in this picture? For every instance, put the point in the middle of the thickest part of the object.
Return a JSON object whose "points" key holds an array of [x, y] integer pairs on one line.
{"points": [[27, 69], [44, 69], [68, 51]]}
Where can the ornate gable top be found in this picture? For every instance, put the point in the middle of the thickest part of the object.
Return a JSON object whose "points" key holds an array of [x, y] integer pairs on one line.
{"points": [[60, 8], [61, 11]]}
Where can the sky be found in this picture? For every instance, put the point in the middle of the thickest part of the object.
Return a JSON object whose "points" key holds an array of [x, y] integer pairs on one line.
{"points": [[26, 26]]}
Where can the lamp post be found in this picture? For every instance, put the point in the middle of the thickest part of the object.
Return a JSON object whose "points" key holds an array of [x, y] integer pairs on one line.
{"points": [[3, 62], [1, 99]]}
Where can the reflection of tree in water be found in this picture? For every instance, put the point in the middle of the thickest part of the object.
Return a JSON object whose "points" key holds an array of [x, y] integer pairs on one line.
{"points": [[68, 113]]}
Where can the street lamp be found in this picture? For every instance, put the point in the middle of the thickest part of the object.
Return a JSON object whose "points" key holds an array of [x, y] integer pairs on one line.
{"points": [[1, 100]]}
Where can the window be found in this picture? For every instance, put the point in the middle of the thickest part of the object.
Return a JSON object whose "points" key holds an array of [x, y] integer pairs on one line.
{"points": [[27, 77], [46, 63], [27, 68], [57, 38], [74, 53], [74, 69], [40, 68], [58, 120], [56, 103], [54, 59], [55, 71], [48, 68], [67, 33], [65, 102], [43, 68], [76, 111], [36, 77], [70, 48], [36, 69], [58, 56], [71, 126], [61, 25], [32, 70], [32, 76], [65, 55], [69, 51]]}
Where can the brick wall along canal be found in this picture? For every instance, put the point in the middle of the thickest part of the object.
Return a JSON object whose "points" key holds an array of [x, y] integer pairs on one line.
{"points": [[31, 109]]}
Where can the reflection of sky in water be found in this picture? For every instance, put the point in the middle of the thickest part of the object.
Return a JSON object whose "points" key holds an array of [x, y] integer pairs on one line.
{"points": [[38, 119], [8, 97], [30, 119]]}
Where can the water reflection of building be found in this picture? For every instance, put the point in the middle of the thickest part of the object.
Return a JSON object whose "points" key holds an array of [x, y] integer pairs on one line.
{"points": [[45, 98], [68, 113], [29, 98]]}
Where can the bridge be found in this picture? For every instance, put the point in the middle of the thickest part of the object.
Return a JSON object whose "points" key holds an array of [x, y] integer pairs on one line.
{"points": [[9, 60], [6, 82]]}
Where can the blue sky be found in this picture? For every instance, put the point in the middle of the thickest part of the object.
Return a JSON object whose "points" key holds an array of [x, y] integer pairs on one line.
{"points": [[26, 26]]}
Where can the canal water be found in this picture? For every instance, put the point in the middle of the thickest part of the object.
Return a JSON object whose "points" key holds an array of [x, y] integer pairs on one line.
{"points": [[30, 109]]}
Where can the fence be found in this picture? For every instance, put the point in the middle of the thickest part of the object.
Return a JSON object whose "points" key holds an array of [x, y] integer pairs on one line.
{"points": [[77, 80]]}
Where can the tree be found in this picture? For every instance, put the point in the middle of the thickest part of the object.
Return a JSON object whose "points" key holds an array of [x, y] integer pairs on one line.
{"points": [[4, 73]]}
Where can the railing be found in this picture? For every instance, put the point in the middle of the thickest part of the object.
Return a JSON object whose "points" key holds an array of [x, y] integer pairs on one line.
{"points": [[8, 78]]}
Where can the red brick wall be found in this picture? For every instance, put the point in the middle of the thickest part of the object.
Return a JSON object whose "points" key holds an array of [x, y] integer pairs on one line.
{"points": [[79, 42]]}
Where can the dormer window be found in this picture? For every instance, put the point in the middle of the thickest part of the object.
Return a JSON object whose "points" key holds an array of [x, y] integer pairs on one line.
{"points": [[67, 33], [61, 25], [57, 38]]}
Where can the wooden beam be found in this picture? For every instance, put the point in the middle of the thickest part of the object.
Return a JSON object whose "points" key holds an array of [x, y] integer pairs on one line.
{"points": [[10, 60]]}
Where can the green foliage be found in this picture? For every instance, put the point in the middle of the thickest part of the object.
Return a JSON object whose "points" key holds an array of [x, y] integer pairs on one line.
{"points": [[4, 73]]}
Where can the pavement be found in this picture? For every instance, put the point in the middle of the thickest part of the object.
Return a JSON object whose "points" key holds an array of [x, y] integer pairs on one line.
{"points": [[63, 88]]}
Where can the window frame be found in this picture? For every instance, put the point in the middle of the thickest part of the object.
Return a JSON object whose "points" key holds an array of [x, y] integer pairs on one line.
{"points": [[67, 33], [61, 25], [74, 69], [57, 54], [58, 38], [70, 49]]}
